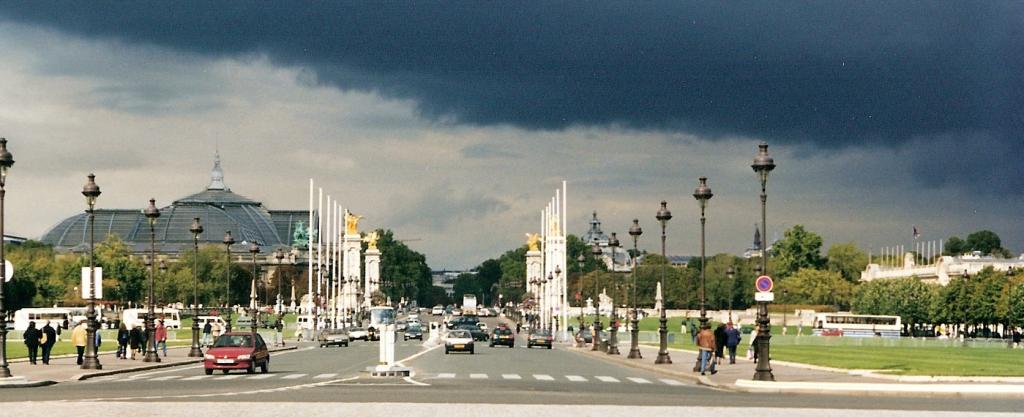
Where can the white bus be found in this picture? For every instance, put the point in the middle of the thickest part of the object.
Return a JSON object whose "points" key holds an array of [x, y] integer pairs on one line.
{"points": [[856, 325], [56, 316], [136, 316]]}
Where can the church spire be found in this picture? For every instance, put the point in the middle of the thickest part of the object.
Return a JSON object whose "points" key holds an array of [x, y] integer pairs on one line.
{"points": [[217, 175], [757, 237]]}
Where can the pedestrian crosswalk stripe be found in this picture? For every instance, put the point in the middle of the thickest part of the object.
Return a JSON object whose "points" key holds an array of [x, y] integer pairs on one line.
{"points": [[236, 376], [606, 379], [166, 378], [576, 378], [542, 377], [197, 377], [324, 376], [671, 382], [262, 376], [511, 376], [639, 380], [478, 376], [293, 376], [446, 375]]}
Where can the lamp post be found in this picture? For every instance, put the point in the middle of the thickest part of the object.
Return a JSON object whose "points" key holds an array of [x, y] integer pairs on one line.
{"points": [[279, 303], [91, 361], [730, 273], [196, 229], [596, 252], [558, 302], [702, 194], [548, 310], [663, 216], [613, 338], [151, 213], [580, 262], [6, 161], [163, 291], [763, 165], [254, 249], [634, 343], [228, 241]]}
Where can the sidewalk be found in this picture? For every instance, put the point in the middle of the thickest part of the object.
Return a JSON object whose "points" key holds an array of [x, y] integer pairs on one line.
{"points": [[801, 378], [65, 368]]}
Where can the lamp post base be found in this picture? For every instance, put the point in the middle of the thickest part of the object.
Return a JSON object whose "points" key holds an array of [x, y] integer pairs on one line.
{"points": [[595, 336], [91, 363], [663, 357], [195, 351], [634, 339], [613, 343]]}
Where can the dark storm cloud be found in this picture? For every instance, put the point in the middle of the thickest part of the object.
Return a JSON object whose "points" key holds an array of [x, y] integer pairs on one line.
{"points": [[825, 74]]}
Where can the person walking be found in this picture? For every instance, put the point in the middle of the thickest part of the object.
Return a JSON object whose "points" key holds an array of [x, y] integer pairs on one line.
{"points": [[135, 342], [732, 339], [161, 337], [122, 341], [706, 344], [208, 333], [78, 336], [32, 337], [279, 331], [49, 338], [720, 338], [1016, 338], [752, 346], [693, 331], [519, 326]]}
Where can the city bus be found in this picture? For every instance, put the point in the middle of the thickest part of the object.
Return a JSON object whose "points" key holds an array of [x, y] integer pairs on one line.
{"points": [[56, 316], [856, 325], [380, 316], [135, 317]]}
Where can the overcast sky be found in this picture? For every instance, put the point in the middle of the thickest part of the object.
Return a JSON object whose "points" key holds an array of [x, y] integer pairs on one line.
{"points": [[454, 123]]}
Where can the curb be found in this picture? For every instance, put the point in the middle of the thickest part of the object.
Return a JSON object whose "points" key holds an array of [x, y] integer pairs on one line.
{"points": [[84, 377], [28, 384], [897, 389]]}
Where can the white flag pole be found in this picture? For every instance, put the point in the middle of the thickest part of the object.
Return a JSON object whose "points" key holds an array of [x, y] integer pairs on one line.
{"points": [[309, 247]]}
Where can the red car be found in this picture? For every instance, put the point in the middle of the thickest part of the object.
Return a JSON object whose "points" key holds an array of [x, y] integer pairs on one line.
{"points": [[237, 351]]}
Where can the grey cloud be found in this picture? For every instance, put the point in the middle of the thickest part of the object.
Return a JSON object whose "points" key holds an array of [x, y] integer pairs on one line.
{"points": [[488, 151], [439, 207]]}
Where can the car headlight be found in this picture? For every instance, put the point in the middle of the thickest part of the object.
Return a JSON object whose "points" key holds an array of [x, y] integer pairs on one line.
{"points": [[244, 357], [208, 356]]}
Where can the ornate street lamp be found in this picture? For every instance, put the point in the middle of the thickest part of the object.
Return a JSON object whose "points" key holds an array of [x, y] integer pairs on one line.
{"points": [[6, 161], [634, 343], [558, 300], [702, 194], [730, 273], [663, 216], [279, 255], [91, 191], [613, 339], [196, 228], [763, 165], [580, 262], [547, 301], [596, 252], [151, 213], [228, 241], [254, 249]]}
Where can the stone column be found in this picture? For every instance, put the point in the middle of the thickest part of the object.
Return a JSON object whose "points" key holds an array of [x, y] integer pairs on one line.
{"points": [[533, 272], [372, 260], [351, 245]]}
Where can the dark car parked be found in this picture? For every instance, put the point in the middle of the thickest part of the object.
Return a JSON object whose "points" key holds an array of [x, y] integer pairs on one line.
{"points": [[503, 336]]}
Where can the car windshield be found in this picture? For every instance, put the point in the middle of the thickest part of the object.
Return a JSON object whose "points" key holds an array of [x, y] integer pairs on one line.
{"points": [[357, 329], [234, 341], [543, 333], [414, 327], [503, 331], [460, 334]]}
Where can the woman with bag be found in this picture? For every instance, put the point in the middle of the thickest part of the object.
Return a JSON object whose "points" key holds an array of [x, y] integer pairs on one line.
{"points": [[32, 337], [122, 341]]}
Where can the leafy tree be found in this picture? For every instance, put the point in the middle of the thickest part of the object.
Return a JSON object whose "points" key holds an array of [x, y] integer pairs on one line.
{"points": [[984, 293], [797, 249], [405, 269], [954, 246], [466, 283], [812, 286], [847, 260], [1015, 310], [985, 241], [124, 276]]}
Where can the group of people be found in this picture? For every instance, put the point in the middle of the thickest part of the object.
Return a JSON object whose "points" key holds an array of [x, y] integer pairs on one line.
{"points": [[712, 345], [47, 336]]}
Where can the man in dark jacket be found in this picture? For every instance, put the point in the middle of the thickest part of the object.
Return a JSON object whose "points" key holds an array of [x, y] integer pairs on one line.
{"points": [[32, 337], [50, 336], [732, 339], [719, 343]]}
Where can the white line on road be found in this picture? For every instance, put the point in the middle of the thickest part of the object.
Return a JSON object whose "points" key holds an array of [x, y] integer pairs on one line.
{"points": [[478, 376], [639, 380], [324, 376], [576, 378], [236, 376], [293, 376], [446, 375], [542, 377], [197, 377], [166, 378], [607, 378], [511, 376], [261, 376], [672, 382]]}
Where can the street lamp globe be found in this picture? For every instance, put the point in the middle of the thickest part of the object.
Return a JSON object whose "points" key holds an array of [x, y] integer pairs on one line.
{"points": [[91, 191], [703, 193], [6, 161], [763, 163]]}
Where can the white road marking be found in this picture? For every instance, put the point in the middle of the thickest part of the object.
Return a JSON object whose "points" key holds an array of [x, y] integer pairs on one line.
{"points": [[576, 378], [165, 378], [639, 380], [672, 382], [478, 376], [261, 376], [293, 376], [236, 376], [542, 377], [197, 377], [511, 376], [446, 375], [324, 376], [607, 379]]}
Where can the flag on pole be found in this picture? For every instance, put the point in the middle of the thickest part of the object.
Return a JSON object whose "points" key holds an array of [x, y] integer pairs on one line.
{"points": [[917, 233]]}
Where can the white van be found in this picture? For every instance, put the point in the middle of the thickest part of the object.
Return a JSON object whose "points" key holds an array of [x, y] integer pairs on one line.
{"points": [[56, 316], [137, 316]]}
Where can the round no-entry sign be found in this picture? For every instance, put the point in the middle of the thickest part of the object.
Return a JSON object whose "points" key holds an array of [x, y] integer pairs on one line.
{"points": [[764, 283]]}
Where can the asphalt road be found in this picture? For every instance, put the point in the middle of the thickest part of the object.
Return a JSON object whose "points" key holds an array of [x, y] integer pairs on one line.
{"points": [[496, 375]]}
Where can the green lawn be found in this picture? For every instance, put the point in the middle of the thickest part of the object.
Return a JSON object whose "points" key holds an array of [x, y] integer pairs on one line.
{"points": [[16, 349]]}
